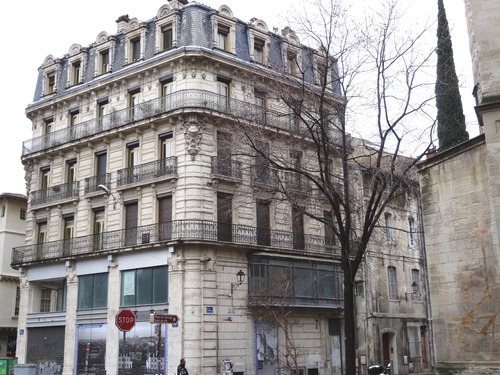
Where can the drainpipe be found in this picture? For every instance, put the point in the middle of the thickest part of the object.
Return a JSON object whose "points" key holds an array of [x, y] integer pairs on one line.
{"points": [[427, 284]]}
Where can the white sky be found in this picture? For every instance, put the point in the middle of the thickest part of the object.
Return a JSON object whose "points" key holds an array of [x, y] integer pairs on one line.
{"points": [[32, 30]]}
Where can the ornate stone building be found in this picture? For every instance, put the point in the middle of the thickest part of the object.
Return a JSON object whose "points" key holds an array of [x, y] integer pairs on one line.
{"points": [[143, 197]]}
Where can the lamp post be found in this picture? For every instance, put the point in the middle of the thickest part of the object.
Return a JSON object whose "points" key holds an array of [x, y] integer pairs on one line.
{"points": [[240, 277]]}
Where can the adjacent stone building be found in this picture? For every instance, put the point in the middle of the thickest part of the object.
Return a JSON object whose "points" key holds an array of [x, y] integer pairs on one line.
{"points": [[144, 197], [12, 234], [461, 205]]}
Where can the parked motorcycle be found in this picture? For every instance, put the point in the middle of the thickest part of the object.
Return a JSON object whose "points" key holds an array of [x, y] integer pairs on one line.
{"points": [[377, 369]]}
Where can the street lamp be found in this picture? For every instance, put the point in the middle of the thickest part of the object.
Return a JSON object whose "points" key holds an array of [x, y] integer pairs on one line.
{"points": [[414, 287], [107, 191], [240, 277]]}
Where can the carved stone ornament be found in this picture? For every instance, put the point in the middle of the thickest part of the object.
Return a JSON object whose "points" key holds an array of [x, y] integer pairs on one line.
{"points": [[28, 171], [193, 134]]}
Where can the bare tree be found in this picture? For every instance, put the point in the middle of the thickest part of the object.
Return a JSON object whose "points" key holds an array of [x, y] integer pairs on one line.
{"points": [[369, 66]]}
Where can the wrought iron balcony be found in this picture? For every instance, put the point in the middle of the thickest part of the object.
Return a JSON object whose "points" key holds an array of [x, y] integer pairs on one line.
{"points": [[54, 193], [178, 100], [226, 167], [148, 171], [128, 239], [91, 183]]}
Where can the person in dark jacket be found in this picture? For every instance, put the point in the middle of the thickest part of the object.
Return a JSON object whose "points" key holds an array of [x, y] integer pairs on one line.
{"points": [[181, 369]]}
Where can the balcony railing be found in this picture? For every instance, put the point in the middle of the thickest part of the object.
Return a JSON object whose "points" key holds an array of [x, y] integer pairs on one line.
{"points": [[54, 193], [177, 100], [147, 171], [92, 183], [226, 167], [109, 242]]}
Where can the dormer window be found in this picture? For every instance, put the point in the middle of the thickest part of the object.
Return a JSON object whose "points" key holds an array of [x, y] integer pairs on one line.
{"points": [[134, 45], [103, 55], [166, 29], [224, 25], [259, 41], [292, 64]]}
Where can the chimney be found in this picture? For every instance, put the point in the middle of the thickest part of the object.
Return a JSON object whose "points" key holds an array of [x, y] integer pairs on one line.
{"points": [[122, 23], [175, 4]]}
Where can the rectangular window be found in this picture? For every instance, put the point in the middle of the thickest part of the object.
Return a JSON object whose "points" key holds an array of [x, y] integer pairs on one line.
{"points": [[262, 170], [224, 217], [22, 214], [144, 286], [45, 299], [222, 94], [71, 171], [133, 154], [167, 153], [93, 291], [167, 88], [258, 51], [18, 299], [51, 83], [167, 34], [224, 142], [104, 62], [260, 107], [388, 227], [135, 49], [165, 217], [42, 234], [412, 235], [101, 164], [329, 228], [99, 229], [76, 72], [3, 211], [131, 212], [414, 341], [223, 38], [263, 223], [392, 282], [292, 63], [69, 233], [415, 285], [298, 228], [135, 112]]}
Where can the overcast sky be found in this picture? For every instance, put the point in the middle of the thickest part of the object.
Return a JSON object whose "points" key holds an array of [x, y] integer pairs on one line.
{"points": [[36, 29]]}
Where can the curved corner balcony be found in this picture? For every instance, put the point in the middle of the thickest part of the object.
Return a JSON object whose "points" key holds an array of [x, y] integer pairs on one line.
{"points": [[195, 99], [163, 233]]}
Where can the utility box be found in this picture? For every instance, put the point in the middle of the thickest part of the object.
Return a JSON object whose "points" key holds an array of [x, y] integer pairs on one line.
{"points": [[28, 369], [7, 365]]}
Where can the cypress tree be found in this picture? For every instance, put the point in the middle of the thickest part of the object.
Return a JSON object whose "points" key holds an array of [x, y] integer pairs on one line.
{"points": [[451, 127]]}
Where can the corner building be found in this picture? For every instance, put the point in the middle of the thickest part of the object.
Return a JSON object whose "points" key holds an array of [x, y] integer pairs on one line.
{"points": [[141, 198]]}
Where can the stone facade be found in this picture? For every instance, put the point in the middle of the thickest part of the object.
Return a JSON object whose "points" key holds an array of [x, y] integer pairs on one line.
{"points": [[12, 232], [143, 196], [461, 210]]}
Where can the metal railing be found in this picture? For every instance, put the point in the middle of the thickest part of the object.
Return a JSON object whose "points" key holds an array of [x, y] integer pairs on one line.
{"points": [[181, 99], [128, 239], [92, 183], [147, 171], [54, 193], [226, 167]]}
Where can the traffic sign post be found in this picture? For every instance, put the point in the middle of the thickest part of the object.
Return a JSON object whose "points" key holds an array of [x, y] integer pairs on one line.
{"points": [[163, 319], [125, 320]]}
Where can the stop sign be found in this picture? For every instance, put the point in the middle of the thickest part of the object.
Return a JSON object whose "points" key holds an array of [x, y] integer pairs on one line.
{"points": [[125, 320]]}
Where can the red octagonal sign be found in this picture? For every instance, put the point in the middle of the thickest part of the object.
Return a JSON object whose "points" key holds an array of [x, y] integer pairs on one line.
{"points": [[125, 320]]}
